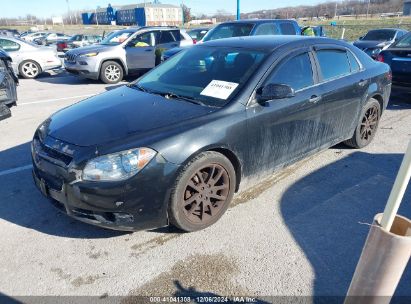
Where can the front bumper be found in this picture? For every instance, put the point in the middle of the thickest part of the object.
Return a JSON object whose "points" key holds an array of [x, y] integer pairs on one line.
{"points": [[83, 66], [138, 203]]}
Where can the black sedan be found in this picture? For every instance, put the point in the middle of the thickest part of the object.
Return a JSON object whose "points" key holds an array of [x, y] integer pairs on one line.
{"points": [[398, 56], [376, 40], [175, 145], [8, 83]]}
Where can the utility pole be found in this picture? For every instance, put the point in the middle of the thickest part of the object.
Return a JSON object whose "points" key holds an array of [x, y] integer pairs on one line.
{"points": [[95, 11], [336, 7], [238, 10], [368, 7], [68, 11]]}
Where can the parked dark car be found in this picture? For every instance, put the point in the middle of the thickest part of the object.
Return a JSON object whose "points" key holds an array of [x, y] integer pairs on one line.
{"points": [[174, 146], [77, 41], [8, 83], [245, 28], [398, 57], [198, 33], [376, 40], [9, 33]]}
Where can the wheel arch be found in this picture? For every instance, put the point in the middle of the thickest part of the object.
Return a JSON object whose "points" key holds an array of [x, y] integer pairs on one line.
{"points": [[228, 153], [29, 59], [380, 100], [118, 60]]}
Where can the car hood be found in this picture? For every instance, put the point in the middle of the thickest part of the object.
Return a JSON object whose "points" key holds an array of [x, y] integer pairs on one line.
{"points": [[361, 44], [117, 114], [92, 48]]}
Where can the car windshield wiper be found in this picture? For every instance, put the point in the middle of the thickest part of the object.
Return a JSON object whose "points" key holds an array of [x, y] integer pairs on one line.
{"points": [[169, 95]]}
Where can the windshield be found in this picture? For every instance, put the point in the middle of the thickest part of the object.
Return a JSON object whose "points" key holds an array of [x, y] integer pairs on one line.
{"points": [[379, 35], [404, 42], [116, 38], [229, 30], [208, 75]]}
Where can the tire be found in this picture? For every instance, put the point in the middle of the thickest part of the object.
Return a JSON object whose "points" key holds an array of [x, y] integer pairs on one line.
{"points": [[198, 201], [367, 126], [111, 72], [29, 69]]}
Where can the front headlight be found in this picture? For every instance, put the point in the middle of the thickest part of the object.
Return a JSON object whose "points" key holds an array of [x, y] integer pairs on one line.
{"points": [[89, 54], [118, 166]]}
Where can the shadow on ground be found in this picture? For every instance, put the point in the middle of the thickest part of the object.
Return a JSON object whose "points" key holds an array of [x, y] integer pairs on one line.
{"points": [[328, 213], [22, 204]]}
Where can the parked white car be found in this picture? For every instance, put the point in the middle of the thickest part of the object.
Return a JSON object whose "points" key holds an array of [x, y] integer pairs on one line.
{"points": [[29, 60], [32, 36]]}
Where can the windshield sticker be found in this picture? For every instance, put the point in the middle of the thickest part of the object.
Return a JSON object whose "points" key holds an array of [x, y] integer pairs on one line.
{"points": [[219, 89]]}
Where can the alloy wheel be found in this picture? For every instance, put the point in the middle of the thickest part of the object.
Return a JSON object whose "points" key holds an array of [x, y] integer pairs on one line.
{"points": [[369, 123], [30, 69], [206, 193], [112, 72]]}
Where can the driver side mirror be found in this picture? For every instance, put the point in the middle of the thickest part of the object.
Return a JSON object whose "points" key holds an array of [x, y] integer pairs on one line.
{"points": [[275, 91]]}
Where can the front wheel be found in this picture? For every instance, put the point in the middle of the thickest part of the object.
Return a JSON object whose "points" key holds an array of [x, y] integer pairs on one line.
{"points": [[202, 192], [367, 127], [111, 72]]}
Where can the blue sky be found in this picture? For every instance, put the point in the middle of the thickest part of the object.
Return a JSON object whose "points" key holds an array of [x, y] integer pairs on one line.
{"points": [[47, 8]]}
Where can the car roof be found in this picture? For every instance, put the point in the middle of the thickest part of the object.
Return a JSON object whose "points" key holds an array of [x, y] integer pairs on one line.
{"points": [[269, 42], [257, 21]]}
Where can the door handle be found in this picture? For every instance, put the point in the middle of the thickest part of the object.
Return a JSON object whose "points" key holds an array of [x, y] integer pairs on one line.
{"points": [[362, 82], [314, 99], [148, 50]]}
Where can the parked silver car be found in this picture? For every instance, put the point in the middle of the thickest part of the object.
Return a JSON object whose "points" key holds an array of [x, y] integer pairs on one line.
{"points": [[29, 60], [124, 52], [31, 36]]}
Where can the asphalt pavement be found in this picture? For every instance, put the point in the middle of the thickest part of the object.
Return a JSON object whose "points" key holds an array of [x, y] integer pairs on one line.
{"points": [[298, 233]]}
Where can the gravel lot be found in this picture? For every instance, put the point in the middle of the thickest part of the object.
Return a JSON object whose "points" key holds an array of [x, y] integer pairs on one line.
{"points": [[298, 233]]}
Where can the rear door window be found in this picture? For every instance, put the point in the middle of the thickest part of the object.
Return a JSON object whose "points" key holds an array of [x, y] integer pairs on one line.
{"points": [[287, 28], [333, 63], [267, 29], [8, 45], [296, 72], [169, 36]]}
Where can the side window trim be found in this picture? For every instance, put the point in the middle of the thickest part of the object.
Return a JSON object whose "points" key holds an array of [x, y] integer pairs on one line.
{"points": [[251, 101]]}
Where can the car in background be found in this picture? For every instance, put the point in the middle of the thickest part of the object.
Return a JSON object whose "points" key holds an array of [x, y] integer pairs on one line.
{"points": [[30, 36], [398, 57], [174, 146], [245, 28], [29, 60], [51, 38], [125, 52], [76, 41], [198, 33], [9, 32], [377, 40], [8, 83]]}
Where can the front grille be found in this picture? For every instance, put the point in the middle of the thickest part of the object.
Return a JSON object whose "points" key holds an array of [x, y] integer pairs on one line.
{"points": [[50, 154], [71, 57], [51, 181]]}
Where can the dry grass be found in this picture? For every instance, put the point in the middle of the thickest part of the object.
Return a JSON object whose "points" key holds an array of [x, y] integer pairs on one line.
{"points": [[354, 28]]}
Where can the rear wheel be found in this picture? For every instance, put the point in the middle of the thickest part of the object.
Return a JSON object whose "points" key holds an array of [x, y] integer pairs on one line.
{"points": [[111, 72], [202, 192], [367, 127], [29, 69]]}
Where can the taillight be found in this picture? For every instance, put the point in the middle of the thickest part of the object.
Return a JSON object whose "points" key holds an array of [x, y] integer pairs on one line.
{"points": [[389, 75], [194, 41], [380, 58]]}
